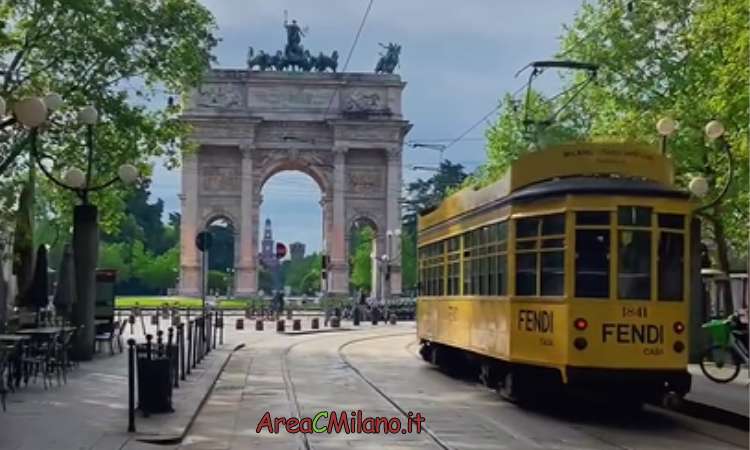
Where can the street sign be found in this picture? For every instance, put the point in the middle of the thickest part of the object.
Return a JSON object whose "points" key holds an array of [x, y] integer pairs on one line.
{"points": [[280, 250], [203, 241]]}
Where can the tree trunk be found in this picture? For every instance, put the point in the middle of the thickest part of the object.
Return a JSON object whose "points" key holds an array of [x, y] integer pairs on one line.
{"points": [[722, 253]]}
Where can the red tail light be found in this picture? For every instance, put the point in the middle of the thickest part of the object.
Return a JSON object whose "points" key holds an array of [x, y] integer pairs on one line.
{"points": [[580, 324], [679, 327]]}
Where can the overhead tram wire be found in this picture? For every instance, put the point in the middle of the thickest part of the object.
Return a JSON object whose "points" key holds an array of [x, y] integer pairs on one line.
{"points": [[471, 128], [351, 52]]}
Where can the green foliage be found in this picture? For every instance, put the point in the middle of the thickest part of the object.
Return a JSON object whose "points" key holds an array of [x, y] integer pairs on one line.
{"points": [[687, 60], [221, 254], [423, 194], [160, 272], [218, 281], [300, 275], [94, 52], [408, 257], [362, 261]]}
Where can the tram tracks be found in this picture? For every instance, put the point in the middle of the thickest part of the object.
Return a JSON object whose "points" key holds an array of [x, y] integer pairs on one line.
{"points": [[441, 443], [291, 393]]}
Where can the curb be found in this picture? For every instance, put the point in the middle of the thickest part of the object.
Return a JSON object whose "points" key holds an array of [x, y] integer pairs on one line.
{"points": [[170, 440], [305, 332]]}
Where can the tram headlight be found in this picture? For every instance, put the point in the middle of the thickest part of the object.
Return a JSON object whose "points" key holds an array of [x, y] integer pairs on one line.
{"points": [[678, 327], [580, 324]]}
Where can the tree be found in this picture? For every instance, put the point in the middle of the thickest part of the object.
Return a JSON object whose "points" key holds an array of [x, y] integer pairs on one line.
{"points": [[93, 52], [408, 258], [161, 272], [362, 261], [684, 59], [421, 195]]}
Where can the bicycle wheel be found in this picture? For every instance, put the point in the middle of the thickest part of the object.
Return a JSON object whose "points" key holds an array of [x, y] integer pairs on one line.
{"points": [[720, 364]]}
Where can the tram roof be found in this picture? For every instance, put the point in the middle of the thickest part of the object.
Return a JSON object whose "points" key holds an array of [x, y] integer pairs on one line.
{"points": [[635, 162]]}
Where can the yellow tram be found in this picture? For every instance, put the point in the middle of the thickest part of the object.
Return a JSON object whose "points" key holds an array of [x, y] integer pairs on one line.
{"points": [[573, 270]]}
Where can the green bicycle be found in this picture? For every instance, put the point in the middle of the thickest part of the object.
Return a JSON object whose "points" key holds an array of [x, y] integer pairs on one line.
{"points": [[722, 361]]}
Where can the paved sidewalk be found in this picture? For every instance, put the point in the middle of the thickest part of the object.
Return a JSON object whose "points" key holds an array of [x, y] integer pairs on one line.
{"points": [[732, 397], [91, 410]]}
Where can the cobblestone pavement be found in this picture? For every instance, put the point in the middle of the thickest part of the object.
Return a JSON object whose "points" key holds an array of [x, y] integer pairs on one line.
{"points": [[298, 376]]}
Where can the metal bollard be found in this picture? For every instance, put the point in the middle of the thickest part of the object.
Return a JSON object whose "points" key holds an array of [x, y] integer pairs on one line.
{"points": [[173, 356], [296, 325], [240, 324], [221, 336], [159, 343], [392, 320], [259, 325], [315, 323], [181, 343], [280, 326], [189, 345], [131, 385]]}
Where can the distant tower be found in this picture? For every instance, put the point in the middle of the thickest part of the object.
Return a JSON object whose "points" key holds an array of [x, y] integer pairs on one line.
{"points": [[268, 240], [297, 250]]}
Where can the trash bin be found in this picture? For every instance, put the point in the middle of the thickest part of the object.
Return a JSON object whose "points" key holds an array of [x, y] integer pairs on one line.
{"points": [[155, 378]]}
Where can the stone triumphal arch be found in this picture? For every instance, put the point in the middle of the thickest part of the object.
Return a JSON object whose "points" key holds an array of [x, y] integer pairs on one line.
{"points": [[345, 130]]}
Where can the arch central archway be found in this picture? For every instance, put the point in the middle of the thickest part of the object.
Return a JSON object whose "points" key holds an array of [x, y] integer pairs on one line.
{"points": [[290, 213], [249, 126]]}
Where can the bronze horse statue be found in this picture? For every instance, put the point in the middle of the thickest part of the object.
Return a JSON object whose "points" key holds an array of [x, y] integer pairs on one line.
{"points": [[388, 62]]}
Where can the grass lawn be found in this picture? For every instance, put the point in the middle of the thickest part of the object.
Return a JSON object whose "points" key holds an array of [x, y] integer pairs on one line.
{"points": [[179, 302]]}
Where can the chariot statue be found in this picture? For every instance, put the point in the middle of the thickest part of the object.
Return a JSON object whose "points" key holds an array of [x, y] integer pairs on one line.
{"points": [[294, 56], [388, 61]]}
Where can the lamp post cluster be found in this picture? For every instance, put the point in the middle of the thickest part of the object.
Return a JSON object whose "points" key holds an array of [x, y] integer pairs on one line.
{"points": [[698, 185], [33, 113]]}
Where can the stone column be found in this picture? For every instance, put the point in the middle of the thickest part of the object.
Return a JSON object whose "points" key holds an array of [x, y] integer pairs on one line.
{"points": [[190, 269], [393, 209], [338, 273], [245, 272]]}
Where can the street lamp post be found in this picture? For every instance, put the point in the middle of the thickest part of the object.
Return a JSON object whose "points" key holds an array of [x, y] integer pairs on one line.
{"points": [[33, 112], [699, 187]]}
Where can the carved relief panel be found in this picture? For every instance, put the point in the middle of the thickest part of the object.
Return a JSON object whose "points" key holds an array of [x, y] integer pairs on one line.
{"points": [[220, 179], [215, 95]]}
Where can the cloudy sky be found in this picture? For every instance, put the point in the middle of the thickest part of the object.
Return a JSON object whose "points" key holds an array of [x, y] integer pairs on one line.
{"points": [[458, 58]]}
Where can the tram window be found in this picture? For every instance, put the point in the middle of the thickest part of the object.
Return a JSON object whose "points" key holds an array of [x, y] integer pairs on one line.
{"points": [[553, 224], [592, 264], [634, 216], [634, 268], [553, 273], [526, 274], [526, 245], [552, 243], [491, 278], [502, 275], [592, 218], [676, 221], [671, 266], [527, 227], [502, 231]]}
